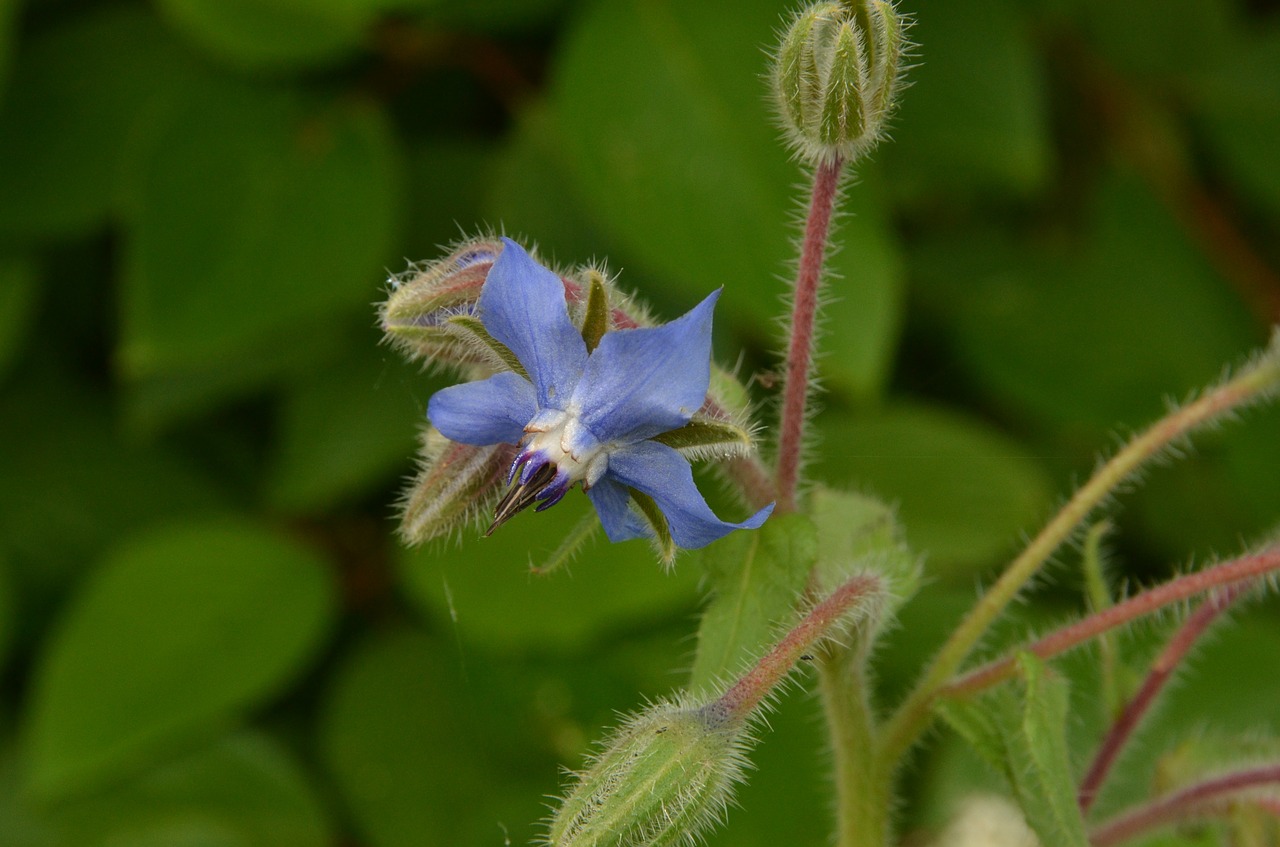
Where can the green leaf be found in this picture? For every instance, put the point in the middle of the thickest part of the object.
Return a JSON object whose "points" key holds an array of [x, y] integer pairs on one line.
{"points": [[346, 429], [484, 586], [757, 579], [974, 119], [672, 149], [413, 768], [242, 790], [79, 91], [219, 262], [964, 491], [260, 34], [858, 533], [178, 632], [18, 293]]}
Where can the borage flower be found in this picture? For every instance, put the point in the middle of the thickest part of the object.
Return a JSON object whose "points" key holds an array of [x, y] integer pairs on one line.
{"points": [[590, 416]]}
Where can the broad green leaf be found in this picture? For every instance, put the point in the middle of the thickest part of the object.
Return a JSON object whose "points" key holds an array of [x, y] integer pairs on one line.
{"points": [[411, 764], [178, 632], [484, 586], [79, 90], [757, 580], [18, 292], [964, 491], [974, 119], [1095, 334], [220, 260], [1039, 764], [243, 790], [665, 132], [346, 429], [858, 533], [275, 33]]}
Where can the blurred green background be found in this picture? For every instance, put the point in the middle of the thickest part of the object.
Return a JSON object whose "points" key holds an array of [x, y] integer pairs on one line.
{"points": [[209, 635]]}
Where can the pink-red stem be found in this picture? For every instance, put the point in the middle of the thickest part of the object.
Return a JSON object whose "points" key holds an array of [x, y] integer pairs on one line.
{"points": [[1172, 655], [795, 396], [1192, 801], [1173, 591]]}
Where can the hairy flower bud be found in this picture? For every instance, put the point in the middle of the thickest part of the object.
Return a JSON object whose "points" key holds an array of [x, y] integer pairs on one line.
{"points": [[836, 75], [664, 778], [456, 484]]}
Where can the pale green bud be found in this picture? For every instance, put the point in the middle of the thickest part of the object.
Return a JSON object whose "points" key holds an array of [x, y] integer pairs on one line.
{"points": [[664, 778], [836, 75], [456, 484]]}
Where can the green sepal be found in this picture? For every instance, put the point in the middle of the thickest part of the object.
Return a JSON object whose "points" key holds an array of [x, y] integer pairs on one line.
{"points": [[658, 523], [471, 327], [704, 436], [595, 320], [456, 483]]}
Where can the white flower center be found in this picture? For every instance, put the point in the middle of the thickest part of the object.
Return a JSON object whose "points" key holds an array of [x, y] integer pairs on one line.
{"points": [[560, 436]]}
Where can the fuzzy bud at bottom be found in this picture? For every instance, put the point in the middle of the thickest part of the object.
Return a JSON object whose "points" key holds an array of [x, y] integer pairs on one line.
{"points": [[664, 778]]}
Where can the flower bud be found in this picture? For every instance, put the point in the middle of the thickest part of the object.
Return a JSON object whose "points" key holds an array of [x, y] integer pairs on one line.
{"points": [[836, 75], [416, 316], [456, 484], [664, 778]]}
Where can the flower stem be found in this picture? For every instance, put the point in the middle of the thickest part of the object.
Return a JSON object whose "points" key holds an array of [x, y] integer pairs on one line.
{"points": [[1174, 652], [817, 231], [1152, 600], [1192, 801], [1254, 382], [862, 795]]}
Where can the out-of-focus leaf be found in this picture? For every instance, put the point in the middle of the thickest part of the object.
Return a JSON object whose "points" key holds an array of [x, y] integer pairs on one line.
{"points": [[73, 485], [274, 33], [243, 790], [344, 429], [963, 490], [1239, 104], [17, 302], [1088, 341], [409, 762], [757, 579], [177, 632], [671, 147], [79, 90], [252, 212], [974, 119], [484, 587]]}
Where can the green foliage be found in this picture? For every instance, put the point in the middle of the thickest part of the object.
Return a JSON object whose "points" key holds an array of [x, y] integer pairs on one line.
{"points": [[208, 632]]}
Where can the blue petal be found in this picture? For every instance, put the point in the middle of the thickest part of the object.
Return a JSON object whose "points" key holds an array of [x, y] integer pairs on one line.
{"points": [[522, 305], [640, 382], [664, 475], [492, 411], [612, 502]]}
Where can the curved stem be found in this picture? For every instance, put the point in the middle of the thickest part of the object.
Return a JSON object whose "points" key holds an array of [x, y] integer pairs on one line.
{"points": [[1191, 801], [862, 795], [1174, 652], [817, 231], [915, 712]]}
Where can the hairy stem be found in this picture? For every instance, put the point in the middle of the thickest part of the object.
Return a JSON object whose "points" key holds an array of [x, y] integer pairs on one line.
{"points": [[1169, 659], [862, 795], [1152, 600], [915, 712], [1192, 801], [795, 396]]}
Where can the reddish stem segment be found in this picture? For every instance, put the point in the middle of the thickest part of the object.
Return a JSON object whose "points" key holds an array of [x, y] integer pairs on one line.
{"points": [[747, 693], [817, 231], [1173, 654], [1192, 801], [1173, 591]]}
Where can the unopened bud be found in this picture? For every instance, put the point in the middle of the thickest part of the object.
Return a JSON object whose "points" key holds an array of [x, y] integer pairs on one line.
{"points": [[664, 778], [836, 75], [416, 316], [457, 484]]}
